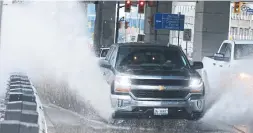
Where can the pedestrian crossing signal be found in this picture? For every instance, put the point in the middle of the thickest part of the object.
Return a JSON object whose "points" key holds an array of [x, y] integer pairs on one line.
{"points": [[126, 24]]}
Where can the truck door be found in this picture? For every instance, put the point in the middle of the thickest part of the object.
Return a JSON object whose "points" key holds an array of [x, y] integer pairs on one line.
{"points": [[223, 66], [112, 60], [107, 58]]}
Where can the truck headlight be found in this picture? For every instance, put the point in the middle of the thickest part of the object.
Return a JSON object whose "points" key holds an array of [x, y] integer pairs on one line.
{"points": [[196, 85], [122, 84], [244, 76]]}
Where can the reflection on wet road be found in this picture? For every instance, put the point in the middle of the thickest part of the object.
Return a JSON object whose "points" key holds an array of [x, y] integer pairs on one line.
{"points": [[63, 121]]}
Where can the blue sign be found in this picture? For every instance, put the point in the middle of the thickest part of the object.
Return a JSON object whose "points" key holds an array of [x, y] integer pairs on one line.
{"points": [[250, 10], [165, 21]]}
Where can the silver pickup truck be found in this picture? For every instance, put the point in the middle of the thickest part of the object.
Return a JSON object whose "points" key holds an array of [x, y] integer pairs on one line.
{"points": [[153, 80]]}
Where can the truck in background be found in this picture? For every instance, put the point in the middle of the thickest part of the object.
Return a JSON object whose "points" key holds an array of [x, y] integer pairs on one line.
{"points": [[229, 64]]}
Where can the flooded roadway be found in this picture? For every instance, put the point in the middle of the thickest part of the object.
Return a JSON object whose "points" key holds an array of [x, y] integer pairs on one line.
{"points": [[63, 121]]}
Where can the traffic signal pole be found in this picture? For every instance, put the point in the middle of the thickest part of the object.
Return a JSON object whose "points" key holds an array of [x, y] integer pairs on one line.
{"points": [[117, 24], [157, 3], [1, 12]]}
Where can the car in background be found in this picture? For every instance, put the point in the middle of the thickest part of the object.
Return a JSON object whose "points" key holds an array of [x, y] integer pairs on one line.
{"points": [[153, 80]]}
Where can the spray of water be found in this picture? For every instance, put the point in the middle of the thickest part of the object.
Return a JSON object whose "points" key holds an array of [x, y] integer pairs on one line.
{"points": [[233, 96], [47, 39]]}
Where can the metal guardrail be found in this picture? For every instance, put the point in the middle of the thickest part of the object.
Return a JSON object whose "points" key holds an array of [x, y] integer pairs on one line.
{"points": [[22, 112]]}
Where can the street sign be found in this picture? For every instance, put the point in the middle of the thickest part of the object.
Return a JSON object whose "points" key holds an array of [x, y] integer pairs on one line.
{"points": [[250, 11], [165, 21], [187, 34]]}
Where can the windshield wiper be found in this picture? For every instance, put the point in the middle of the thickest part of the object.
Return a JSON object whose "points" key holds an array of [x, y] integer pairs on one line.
{"points": [[149, 65]]}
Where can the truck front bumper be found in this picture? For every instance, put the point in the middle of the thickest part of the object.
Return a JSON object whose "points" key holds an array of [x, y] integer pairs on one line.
{"points": [[125, 105]]}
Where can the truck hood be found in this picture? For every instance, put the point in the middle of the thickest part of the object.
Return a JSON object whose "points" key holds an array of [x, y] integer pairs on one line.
{"points": [[183, 72]]}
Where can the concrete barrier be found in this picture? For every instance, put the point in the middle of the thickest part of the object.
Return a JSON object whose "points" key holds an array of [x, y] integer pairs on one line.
{"points": [[22, 90], [21, 105], [22, 116], [23, 113], [20, 86], [9, 127], [15, 96], [29, 106], [18, 127]]}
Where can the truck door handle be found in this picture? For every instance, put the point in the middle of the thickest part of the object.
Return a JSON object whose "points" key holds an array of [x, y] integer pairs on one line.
{"points": [[214, 64], [220, 65], [104, 74]]}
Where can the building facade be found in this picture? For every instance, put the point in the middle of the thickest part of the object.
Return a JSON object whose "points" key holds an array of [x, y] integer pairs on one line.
{"points": [[241, 25], [135, 23], [187, 9]]}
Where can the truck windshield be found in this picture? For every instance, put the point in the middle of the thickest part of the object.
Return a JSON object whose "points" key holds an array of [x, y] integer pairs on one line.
{"points": [[151, 57], [243, 50]]}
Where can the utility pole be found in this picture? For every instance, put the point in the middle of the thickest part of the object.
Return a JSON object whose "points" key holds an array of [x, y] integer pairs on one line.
{"points": [[1, 12], [98, 27], [117, 24]]}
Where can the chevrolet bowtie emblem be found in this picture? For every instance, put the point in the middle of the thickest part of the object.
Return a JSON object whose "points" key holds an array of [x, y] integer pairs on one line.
{"points": [[161, 88]]}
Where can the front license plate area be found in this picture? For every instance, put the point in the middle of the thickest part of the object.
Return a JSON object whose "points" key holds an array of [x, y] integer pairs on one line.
{"points": [[161, 111]]}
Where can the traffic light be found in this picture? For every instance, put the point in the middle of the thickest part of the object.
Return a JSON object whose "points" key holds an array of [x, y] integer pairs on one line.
{"points": [[126, 24], [128, 4], [237, 7], [141, 6], [151, 3]]}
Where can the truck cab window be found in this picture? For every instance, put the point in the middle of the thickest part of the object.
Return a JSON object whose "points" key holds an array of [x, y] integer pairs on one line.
{"points": [[243, 51], [113, 56], [223, 48], [228, 52]]}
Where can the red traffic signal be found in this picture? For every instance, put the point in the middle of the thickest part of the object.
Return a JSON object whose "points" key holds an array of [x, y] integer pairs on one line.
{"points": [[128, 4], [141, 6]]}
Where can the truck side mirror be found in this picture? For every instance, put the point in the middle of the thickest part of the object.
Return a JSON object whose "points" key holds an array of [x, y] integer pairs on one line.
{"points": [[197, 65], [104, 64], [218, 56], [103, 53]]}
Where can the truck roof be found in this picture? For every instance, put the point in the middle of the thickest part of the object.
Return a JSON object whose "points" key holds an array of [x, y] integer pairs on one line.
{"points": [[145, 44], [243, 42]]}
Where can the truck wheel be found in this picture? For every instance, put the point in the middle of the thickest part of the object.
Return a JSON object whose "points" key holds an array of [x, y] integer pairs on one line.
{"points": [[111, 119]]}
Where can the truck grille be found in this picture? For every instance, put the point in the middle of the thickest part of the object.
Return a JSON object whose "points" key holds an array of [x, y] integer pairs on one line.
{"points": [[160, 94], [165, 82]]}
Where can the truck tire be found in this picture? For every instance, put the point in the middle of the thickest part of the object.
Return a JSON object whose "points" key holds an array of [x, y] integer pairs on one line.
{"points": [[195, 116]]}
